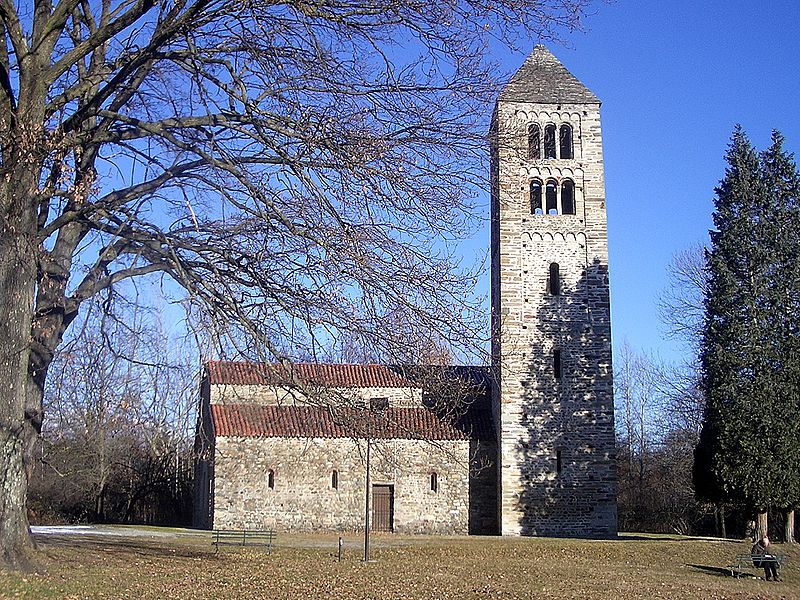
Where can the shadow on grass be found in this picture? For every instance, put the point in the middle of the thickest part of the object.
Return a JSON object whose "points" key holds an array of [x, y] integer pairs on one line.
{"points": [[720, 571], [660, 537], [118, 545], [633, 537]]}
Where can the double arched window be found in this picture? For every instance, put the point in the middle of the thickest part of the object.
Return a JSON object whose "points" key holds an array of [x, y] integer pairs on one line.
{"points": [[558, 200], [534, 142], [549, 141], [549, 146], [536, 197], [568, 197], [565, 141]]}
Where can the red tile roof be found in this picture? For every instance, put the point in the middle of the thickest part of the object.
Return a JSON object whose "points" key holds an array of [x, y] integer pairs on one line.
{"points": [[334, 375], [255, 420]]}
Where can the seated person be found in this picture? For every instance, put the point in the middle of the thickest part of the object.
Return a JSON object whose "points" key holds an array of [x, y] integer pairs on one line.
{"points": [[766, 560]]}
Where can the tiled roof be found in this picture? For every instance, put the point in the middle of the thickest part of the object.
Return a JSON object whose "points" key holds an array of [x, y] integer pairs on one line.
{"points": [[255, 420], [333, 375], [544, 80]]}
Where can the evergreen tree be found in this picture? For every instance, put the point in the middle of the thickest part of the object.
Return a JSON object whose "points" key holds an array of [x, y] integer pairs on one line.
{"points": [[748, 450], [782, 181]]}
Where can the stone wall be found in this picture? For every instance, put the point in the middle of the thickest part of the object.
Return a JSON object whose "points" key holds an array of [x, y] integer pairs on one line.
{"points": [[556, 440], [303, 499]]}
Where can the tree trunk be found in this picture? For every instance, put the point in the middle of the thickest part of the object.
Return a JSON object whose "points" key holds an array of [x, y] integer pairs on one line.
{"points": [[789, 533], [17, 277], [761, 525]]}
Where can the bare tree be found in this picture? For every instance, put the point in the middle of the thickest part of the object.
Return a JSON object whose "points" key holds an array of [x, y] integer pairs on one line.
{"points": [[681, 307], [638, 402], [659, 411], [298, 168], [121, 405]]}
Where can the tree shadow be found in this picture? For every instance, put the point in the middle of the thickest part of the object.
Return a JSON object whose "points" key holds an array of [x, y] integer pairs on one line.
{"points": [[721, 571], [635, 537], [124, 545], [566, 454]]}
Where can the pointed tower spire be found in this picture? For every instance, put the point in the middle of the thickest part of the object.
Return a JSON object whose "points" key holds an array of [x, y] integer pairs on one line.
{"points": [[544, 80]]}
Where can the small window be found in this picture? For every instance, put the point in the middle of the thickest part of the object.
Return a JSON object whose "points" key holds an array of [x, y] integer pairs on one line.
{"points": [[381, 403], [554, 281], [559, 461], [271, 479], [334, 479], [534, 142], [536, 197], [568, 197], [551, 198], [565, 141], [434, 482], [550, 141], [557, 363]]}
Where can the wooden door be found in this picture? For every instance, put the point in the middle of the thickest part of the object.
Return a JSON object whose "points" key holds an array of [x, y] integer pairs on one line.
{"points": [[382, 508]]}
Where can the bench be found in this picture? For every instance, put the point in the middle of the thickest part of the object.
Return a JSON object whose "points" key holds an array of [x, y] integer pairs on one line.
{"points": [[243, 537], [746, 561]]}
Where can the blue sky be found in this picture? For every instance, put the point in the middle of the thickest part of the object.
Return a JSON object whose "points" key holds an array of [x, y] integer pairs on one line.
{"points": [[674, 78]]}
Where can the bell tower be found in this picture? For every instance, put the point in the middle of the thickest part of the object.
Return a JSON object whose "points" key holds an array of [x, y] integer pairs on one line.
{"points": [[551, 322]]}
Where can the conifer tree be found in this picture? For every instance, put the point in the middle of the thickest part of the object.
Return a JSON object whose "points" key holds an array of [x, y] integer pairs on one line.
{"points": [[783, 187], [749, 443]]}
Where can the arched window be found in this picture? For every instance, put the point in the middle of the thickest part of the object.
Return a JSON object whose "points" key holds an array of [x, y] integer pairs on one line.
{"points": [[551, 198], [568, 197], [534, 141], [335, 479], [550, 141], [271, 479], [434, 482], [565, 141], [536, 197], [557, 363], [554, 281]]}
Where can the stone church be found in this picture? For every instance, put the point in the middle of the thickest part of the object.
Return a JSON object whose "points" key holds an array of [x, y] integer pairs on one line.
{"points": [[524, 447]]}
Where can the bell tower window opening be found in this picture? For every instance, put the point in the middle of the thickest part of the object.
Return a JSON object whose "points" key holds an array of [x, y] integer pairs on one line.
{"points": [[550, 141], [534, 141], [434, 482], [551, 197], [568, 197], [536, 197], [554, 280], [565, 141]]}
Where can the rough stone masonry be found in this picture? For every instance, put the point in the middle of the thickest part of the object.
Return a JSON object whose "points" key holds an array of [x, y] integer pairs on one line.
{"points": [[531, 452]]}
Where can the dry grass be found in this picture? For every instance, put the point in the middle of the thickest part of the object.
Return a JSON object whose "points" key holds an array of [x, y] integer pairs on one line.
{"points": [[448, 568]]}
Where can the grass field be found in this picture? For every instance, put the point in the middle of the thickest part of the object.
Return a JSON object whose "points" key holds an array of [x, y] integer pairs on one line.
{"points": [[305, 567]]}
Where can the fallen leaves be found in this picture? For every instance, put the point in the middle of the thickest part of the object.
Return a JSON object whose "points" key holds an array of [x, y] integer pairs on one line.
{"points": [[404, 568]]}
